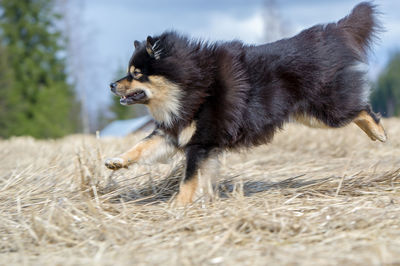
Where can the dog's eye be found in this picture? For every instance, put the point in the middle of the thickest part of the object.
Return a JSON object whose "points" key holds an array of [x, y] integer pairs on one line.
{"points": [[136, 73]]}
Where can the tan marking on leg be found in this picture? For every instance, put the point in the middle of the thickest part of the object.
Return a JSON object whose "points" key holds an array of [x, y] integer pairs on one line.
{"points": [[187, 191], [201, 185], [308, 120], [134, 154], [368, 125], [186, 134], [148, 151]]}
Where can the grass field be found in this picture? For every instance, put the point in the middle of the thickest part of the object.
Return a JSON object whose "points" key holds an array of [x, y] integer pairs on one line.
{"points": [[313, 196]]}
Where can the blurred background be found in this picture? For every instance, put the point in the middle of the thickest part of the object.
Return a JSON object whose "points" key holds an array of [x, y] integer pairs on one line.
{"points": [[57, 57]]}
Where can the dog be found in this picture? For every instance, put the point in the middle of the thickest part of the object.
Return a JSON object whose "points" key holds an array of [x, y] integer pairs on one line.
{"points": [[211, 97]]}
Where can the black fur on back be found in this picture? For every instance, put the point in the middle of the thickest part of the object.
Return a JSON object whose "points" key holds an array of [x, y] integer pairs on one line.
{"points": [[239, 95]]}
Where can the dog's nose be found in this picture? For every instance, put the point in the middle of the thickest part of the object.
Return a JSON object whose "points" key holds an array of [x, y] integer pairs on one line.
{"points": [[113, 86]]}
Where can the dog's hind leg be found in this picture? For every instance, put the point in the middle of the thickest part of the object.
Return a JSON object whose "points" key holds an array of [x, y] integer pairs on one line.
{"points": [[370, 124]]}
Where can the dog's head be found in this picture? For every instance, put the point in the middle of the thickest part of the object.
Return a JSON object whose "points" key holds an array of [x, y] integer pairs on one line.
{"points": [[148, 80], [137, 86]]}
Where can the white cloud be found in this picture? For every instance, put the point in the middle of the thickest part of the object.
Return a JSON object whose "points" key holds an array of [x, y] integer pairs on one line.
{"points": [[222, 26]]}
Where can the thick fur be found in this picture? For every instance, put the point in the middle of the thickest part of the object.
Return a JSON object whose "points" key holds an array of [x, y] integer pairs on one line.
{"points": [[233, 95]]}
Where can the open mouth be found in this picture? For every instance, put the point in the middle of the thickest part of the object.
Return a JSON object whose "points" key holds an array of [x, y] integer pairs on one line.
{"points": [[138, 96]]}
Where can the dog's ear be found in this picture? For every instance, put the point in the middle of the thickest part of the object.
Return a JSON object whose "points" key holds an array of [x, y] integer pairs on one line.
{"points": [[153, 47], [136, 44], [149, 46]]}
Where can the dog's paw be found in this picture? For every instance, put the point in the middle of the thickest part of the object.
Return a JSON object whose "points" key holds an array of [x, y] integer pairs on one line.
{"points": [[115, 163], [183, 199]]}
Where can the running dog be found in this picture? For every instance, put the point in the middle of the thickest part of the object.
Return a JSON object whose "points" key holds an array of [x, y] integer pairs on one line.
{"points": [[210, 97]]}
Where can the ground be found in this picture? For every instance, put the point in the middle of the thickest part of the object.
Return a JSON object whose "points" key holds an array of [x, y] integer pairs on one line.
{"points": [[316, 196]]}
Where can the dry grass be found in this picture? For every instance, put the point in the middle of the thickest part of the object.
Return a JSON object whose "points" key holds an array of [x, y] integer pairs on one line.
{"points": [[313, 196]]}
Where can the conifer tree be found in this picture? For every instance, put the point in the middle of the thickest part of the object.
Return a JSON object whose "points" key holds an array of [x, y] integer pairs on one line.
{"points": [[43, 103], [5, 92]]}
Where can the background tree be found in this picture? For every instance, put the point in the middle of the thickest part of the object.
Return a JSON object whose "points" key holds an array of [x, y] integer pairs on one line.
{"points": [[43, 103], [5, 92], [386, 96]]}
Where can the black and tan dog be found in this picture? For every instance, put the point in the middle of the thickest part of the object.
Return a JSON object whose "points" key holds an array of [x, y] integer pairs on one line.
{"points": [[207, 98]]}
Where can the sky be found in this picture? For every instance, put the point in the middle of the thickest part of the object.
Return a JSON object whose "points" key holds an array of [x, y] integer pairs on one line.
{"points": [[107, 29]]}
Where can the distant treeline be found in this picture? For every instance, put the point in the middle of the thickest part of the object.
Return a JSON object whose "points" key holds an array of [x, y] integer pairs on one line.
{"points": [[385, 97]]}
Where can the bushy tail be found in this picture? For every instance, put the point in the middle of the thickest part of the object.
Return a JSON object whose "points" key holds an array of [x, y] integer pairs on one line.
{"points": [[361, 26]]}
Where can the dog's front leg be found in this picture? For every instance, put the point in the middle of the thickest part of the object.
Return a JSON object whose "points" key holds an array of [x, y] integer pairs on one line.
{"points": [[153, 148], [200, 162]]}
